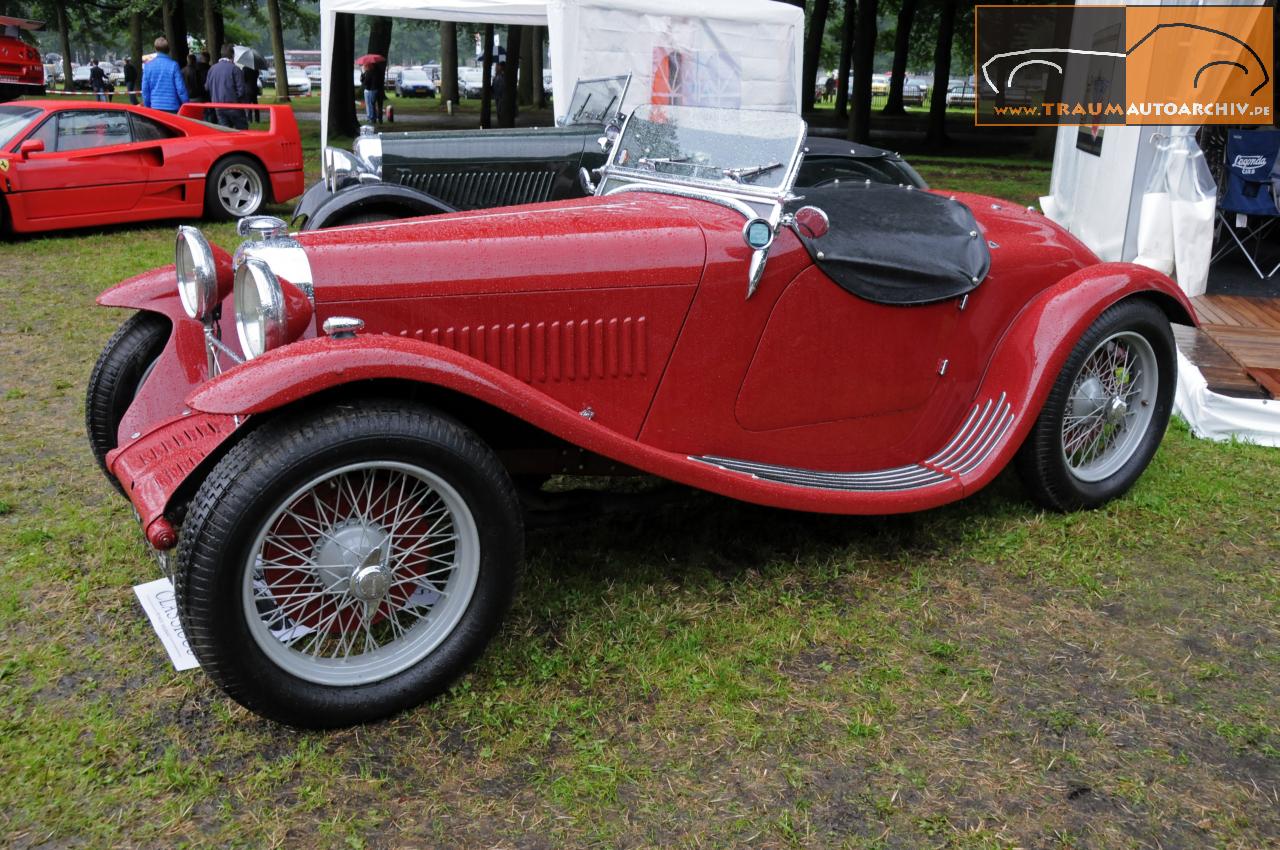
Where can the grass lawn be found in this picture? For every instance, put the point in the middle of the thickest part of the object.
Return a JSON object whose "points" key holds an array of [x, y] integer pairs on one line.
{"points": [[709, 674]]}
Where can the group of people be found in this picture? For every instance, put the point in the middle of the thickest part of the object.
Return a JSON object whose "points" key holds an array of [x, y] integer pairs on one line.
{"points": [[102, 86], [166, 86]]}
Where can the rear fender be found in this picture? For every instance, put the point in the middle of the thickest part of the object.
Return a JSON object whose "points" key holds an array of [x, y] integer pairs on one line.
{"points": [[323, 208], [1034, 349]]}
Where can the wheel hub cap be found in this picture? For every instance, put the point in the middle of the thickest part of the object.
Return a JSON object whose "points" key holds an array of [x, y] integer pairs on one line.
{"points": [[353, 549], [1116, 411], [1091, 398]]}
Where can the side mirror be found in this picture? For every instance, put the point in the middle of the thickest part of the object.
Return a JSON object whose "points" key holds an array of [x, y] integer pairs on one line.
{"points": [[31, 146], [757, 233], [611, 133], [811, 222]]}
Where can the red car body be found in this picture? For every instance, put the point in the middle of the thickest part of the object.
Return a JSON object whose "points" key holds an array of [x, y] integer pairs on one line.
{"points": [[644, 329], [673, 365], [159, 170]]}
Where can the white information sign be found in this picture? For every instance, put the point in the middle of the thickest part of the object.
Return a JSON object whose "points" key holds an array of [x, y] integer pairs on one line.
{"points": [[161, 604]]}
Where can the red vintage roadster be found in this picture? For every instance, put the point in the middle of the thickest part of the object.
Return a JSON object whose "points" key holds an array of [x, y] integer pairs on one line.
{"points": [[331, 427]]}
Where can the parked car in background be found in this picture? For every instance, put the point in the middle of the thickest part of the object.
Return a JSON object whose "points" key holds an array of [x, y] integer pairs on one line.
{"points": [[334, 429], [79, 163], [80, 78], [267, 76], [414, 82], [396, 175], [963, 93], [470, 81], [299, 83], [21, 72], [313, 73], [115, 72]]}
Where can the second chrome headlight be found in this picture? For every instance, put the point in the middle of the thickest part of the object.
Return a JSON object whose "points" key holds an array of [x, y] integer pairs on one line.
{"points": [[197, 273], [260, 312]]}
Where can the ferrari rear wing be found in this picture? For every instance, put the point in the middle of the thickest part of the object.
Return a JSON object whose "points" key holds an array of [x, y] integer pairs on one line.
{"points": [[281, 115], [21, 23]]}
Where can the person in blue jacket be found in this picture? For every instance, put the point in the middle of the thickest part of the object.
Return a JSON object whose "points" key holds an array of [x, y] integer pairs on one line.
{"points": [[162, 86]]}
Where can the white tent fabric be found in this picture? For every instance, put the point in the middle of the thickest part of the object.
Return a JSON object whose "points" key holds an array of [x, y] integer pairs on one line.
{"points": [[744, 53], [1219, 417]]}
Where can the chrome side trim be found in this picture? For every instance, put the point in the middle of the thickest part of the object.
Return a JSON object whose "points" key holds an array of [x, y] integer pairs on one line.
{"points": [[982, 431], [910, 477], [987, 424]]}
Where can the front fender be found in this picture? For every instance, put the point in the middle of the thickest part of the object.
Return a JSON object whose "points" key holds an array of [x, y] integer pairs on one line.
{"points": [[1035, 347], [157, 290], [323, 208]]}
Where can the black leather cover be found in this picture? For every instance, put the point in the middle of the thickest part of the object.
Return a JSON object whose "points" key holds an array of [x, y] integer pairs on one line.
{"points": [[895, 245]]}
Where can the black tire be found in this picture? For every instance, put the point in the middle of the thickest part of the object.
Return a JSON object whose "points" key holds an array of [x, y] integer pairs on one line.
{"points": [[238, 508], [122, 366], [238, 166], [1050, 478]]}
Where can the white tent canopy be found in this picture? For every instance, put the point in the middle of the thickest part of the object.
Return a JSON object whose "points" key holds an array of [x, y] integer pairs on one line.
{"points": [[745, 53]]}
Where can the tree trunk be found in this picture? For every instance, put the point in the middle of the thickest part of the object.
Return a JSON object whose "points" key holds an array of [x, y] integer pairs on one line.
{"points": [[507, 103], [277, 50], [937, 132], [342, 106], [812, 53], [535, 50], [212, 38], [448, 62], [380, 35], [486, 79], [178, 41], [864, 55], [846, 59], [64, 36], [135, 45], [901, 47], [525, 81]]}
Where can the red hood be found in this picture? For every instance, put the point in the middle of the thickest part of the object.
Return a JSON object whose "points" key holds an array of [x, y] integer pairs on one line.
{"points": [[592, 243], [1025, 239]]}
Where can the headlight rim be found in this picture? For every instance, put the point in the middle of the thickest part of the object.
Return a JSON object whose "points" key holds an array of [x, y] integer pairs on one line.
{"points": [[199, 295], [269, 313]]}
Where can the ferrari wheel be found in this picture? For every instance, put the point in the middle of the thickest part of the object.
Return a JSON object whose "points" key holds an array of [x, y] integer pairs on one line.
{"points": [[1106, 413], [123, 366], [235, 188], [342, 566]]}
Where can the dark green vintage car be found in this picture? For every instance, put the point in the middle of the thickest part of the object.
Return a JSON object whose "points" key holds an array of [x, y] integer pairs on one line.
{"points": [[398, 175]]}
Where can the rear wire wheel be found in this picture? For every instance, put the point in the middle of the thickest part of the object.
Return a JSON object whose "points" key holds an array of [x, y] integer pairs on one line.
{"points": [[1107, 411], [342, 566]]}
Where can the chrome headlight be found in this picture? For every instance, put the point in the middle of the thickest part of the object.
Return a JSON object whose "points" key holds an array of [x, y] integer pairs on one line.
{"points": [[260, 314], [197, 275]]}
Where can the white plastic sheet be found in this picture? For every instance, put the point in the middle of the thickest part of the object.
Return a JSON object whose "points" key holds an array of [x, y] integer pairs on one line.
{"points": [[1219, 417], [1175, 227], [742, 53]]}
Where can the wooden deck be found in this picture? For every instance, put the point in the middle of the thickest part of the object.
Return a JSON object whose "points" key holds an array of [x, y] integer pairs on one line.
{"points": [[1238, 345]]}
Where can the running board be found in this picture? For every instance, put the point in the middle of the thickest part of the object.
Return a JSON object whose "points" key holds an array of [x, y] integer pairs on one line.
{"points": [[977, 438]]}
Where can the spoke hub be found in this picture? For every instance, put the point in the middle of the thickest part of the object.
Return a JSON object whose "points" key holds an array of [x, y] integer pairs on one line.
{"points": [[1090, 399], [370, 584], [349, 549], [1116, 411]]}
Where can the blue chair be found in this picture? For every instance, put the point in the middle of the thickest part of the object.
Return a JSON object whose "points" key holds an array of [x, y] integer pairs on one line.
{"points": [[1248, 202]]}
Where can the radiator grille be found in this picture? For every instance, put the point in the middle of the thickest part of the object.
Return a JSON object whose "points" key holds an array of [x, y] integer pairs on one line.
{"points": [[469, 190]]}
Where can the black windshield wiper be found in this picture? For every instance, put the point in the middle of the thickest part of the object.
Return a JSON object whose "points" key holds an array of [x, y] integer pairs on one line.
{"points": [[738, 175], [650, 162]]}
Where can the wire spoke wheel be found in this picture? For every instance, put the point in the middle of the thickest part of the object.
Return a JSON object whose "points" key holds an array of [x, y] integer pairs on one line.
{"points": [[361, 573], [1110, 406], [239, 189]]}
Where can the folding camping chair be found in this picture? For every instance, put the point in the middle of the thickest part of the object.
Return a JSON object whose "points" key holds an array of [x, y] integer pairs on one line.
{"points": [[1248, 202]]}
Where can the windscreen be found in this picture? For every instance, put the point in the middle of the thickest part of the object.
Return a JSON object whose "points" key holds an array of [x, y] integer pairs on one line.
{"points": [[596, 101], [733, 148], [13, 120]]}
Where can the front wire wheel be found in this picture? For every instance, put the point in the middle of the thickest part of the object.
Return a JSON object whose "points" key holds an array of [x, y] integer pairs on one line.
{"points": [[342, 566], [1107, 411]]}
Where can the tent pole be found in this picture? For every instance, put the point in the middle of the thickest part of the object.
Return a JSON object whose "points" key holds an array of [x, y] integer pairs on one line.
{"points": [[486, 80]]}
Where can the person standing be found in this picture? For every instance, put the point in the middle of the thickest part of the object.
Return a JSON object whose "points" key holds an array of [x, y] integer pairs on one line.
{"points": [[162, 86], [226, 85], [202, 70], [251, 89], [193, 80], [131, 81], [370, 90], [98, 81]]}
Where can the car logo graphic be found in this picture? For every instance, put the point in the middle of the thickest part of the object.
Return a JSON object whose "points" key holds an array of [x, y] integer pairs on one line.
{"points": [[986, 66], [4, 165]]}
